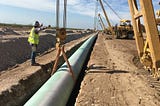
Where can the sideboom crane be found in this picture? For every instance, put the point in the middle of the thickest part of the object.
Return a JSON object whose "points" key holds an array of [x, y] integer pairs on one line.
{"points": [[105, 14], [149, 48]]}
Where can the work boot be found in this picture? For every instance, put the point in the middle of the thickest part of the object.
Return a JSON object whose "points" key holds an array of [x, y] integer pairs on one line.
{"points": [[35, 64]]}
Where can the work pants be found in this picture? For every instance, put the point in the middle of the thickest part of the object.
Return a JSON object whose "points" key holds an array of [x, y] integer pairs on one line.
{"points": [[33, 53]]}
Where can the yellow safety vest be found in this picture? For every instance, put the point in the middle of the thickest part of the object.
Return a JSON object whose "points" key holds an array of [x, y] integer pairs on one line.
{"points": [[33, 37]]}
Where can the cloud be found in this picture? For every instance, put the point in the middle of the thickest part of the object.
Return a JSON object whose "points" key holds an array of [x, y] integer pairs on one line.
{"points": [[42, 5], [84, 7], [75, 6]]}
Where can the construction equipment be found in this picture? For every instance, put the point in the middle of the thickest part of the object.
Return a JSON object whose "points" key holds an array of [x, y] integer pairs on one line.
{"points": [[158, 15], [149, 46], [105, 30], [105, 14], [101, 21], [124, 30]]}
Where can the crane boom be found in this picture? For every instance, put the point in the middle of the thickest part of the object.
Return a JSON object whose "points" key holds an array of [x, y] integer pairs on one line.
{"points": [[101, 21], [101, 24], [105, 14]]}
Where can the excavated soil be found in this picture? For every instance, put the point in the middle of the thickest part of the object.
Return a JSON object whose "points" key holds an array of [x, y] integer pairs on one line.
{"points": [[15, 49], [115, 77]]}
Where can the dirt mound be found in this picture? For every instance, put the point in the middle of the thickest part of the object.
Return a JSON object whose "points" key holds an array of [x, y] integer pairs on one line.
{"points": [[52, 31], [1, 33], [8, 31], [17, 50]]}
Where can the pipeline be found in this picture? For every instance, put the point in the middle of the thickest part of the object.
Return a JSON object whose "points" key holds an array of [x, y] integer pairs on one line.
{"points": [[56, 91]]}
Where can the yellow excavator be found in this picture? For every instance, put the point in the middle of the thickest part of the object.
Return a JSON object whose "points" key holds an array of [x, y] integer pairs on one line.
{"points": [[148, 44], [124, 30]]}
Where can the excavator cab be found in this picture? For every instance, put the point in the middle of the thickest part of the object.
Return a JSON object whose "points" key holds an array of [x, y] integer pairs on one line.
{"points": [[124, 30]]}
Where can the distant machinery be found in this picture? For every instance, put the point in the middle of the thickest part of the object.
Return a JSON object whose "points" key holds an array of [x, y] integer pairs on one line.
{"points": [[105, 30], [124, 29], [106, 17]]}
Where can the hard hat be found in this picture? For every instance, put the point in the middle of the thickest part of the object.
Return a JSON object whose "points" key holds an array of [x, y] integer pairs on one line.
{"points": [[36, 24]]}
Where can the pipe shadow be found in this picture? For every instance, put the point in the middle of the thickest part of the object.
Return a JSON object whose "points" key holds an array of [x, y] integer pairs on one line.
{"points": [[99, 67], [102, 69], [116, 71]]}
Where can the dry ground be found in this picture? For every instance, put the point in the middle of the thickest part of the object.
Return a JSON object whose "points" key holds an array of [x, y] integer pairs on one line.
{"points": [[112, 79]]}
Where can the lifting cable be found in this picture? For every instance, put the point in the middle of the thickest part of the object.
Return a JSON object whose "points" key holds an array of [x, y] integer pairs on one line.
{"points": [[112, 10]]}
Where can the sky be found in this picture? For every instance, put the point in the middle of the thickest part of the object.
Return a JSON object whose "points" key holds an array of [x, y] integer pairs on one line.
{"points": [[80, 13]]}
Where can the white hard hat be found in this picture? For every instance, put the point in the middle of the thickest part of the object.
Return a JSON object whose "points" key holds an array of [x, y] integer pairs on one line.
{"points": [[36, 24]]}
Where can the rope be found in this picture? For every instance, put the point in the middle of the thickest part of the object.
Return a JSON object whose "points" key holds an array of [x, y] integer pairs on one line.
{"points": [[112, 10]]}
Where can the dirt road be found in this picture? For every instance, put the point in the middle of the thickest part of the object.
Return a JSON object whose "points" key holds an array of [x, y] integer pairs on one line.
{"points": [[112, 79]]}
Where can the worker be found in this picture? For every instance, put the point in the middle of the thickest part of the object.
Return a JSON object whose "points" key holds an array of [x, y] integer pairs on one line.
{"points": [[33, 40]]}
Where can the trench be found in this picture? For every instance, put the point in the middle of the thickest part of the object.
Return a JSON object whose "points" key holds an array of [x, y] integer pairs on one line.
{"points": [[49, 66], [19, 94], [10, 58], [73, 91]]}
